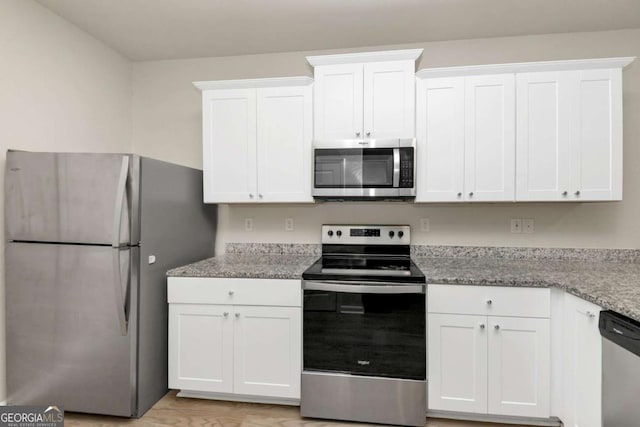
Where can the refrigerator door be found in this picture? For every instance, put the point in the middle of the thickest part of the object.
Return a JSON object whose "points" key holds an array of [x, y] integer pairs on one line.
{"points": [[69, 197], [70, 333]]}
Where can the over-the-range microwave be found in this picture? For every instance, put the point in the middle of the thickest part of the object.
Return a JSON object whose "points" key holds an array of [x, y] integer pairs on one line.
{"points": [[370, 169]]}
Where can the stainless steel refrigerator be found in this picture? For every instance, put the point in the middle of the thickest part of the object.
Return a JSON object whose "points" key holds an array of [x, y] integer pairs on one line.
{"points": [[89, 240]]}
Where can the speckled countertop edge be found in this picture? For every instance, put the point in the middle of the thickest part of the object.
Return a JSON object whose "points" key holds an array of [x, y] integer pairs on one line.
{"points": [[608, 278]]}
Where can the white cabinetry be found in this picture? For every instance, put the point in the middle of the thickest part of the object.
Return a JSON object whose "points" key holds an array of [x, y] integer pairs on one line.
{"points": [[545, 131], [484, 357], [238, 337], [257, 140], [569, 140], [466, 138], [582, 364], [368, 95]]}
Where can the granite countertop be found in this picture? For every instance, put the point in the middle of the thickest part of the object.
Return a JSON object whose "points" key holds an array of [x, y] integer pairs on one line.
{"points": [[259, 266], [609, 284]]}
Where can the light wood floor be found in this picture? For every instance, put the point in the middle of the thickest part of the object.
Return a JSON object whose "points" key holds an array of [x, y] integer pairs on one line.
{"points": [[184, 412]]}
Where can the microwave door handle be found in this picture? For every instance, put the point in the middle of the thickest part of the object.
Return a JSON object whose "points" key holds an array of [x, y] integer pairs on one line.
{"points": [[396, 168]]}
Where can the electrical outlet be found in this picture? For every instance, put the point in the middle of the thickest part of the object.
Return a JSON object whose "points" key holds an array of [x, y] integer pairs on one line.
{"points": [[248, 224], [288, 224], [527, 225], [424, 224], [516, 225]]}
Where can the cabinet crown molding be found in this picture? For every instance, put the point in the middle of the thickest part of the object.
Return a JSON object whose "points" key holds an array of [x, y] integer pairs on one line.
{"points": [[355, 58], [525, 67], [253, 83]]}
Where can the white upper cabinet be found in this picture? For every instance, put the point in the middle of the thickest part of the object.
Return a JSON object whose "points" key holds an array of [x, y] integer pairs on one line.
{"points": [[570, 135], [489, 138], [596, 135], [466, 139], [543, 136], [257, 140], [284, 144], [365, 95], [229, 145], [338, 101], [563, 142]]}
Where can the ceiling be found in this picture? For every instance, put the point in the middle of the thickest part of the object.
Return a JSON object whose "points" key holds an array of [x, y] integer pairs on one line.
{"points": [[170, 29]]}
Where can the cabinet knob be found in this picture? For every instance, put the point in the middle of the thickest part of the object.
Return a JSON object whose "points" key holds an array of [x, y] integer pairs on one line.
{"points": [[489, 302], [564, 193], [230, 293], [226, 314], [368, 133], [460, 194], [471, 194], [250, 196], [357, 133], [482, 326], [577, 193], [497, 327], [260, 196], [237, 315], [590, 314]]}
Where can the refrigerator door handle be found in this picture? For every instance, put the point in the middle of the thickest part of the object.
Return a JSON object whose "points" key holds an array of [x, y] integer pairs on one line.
{"points": [[120, 195], [119, 294]]}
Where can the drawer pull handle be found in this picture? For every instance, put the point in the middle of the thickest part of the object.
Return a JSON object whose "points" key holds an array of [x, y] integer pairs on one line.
{"points": [[497, 327], [482, 326], [489, 302], [226, 314]]}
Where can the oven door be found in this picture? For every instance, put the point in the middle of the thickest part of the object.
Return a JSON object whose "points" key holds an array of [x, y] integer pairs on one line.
{"points": [[370, 329]]}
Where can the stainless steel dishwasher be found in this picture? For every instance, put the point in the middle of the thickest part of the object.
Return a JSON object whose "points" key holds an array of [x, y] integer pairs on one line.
{"points": [[620, 370]]}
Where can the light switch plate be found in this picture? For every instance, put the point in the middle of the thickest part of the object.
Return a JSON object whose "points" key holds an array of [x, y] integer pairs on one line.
{"points": [[152, 259], [424, 224], [288, 224], [248, 224]]}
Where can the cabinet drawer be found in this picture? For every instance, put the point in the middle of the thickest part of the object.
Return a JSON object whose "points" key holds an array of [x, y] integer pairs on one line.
{"points": [[489, 300], [204, 290]]}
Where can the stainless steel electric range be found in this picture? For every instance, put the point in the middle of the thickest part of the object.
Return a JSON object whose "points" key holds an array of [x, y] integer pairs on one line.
{"points": [[364, 337]]}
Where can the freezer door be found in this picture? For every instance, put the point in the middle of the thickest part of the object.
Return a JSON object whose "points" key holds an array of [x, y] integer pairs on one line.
{"points": [[69, 341], [69, 197]]}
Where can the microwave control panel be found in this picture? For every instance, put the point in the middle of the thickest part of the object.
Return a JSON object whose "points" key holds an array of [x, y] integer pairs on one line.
{"points": [[406, 167]]}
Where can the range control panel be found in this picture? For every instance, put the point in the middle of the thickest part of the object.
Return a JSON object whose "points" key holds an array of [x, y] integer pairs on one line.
{"points": [[366, 234]]}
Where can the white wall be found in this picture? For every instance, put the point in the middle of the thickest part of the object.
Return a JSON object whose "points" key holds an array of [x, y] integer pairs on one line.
{"points": [[60, 90], [167, 125]]}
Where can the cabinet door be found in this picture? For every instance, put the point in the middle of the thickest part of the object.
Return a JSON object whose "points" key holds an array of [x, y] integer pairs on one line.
{"points": [[440, 145], [519, 366], [284, 144], [229, 145], [457, 363], [490, 138], [338, 101], [389, 99], [582, 364], [267, 351], [201, 347], [596, 129], [543, 136]]}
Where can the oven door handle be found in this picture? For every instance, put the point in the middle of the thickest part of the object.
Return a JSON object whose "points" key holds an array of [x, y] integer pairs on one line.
{"points": [[363, 287]]}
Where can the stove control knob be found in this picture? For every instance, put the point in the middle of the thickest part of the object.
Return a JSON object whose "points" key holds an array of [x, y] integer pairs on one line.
{"points": [[391, 234], [339, 233], [330, 233], [400, 234]]}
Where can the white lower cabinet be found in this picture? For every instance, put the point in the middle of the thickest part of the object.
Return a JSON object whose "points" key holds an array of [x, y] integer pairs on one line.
{"points": [[221, 341], [519, 366], [582, 364], [490, 362]]}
